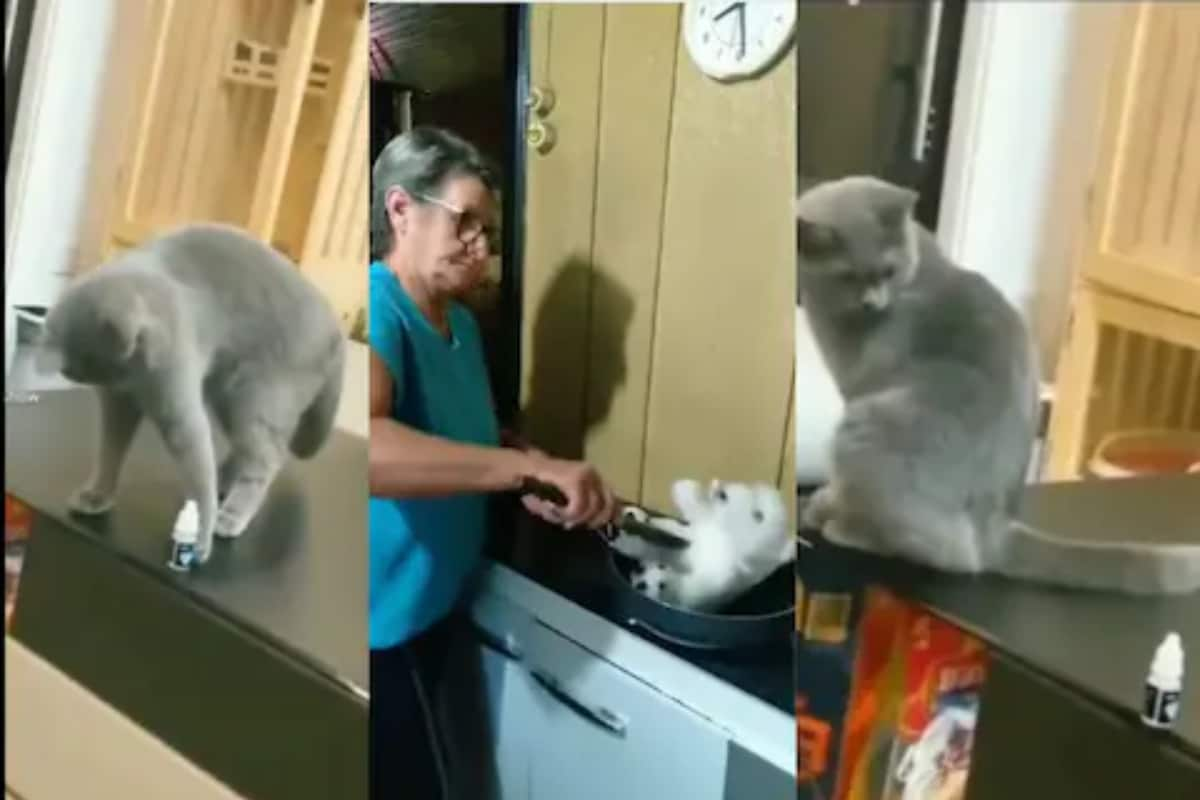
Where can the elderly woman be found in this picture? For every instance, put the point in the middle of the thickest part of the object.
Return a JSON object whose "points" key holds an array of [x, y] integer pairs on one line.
{"points": [[435, 446]]}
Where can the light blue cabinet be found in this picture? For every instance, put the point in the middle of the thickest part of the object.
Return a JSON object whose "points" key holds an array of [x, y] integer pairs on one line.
{"points": [[511, 721], [568, 723], [502, 629], [602, 734]]}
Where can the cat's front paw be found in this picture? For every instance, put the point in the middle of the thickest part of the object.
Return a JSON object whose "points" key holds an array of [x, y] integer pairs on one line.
{"points": [[204, 548], [837, 532], [230, 523], [817, 509], [91, 502]]}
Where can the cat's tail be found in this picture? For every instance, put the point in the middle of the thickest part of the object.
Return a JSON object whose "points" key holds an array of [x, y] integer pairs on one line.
{"points": [[316, 423], [1130, 567]]}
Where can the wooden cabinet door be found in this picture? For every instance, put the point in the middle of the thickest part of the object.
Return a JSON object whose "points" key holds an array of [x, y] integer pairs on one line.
{"points": [[724, 318], [215, 111], [1144, 239], [658, 274], [200, 148], [336, 246], [564, 55]]}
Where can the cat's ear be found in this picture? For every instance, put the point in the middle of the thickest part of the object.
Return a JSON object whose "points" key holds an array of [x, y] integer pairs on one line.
{"points": [[139, 335], [896, 206], [814, 241]]}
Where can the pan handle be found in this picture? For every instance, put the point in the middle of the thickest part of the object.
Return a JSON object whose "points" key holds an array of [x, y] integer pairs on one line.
{"points": [[657, 633], [543, 491]]}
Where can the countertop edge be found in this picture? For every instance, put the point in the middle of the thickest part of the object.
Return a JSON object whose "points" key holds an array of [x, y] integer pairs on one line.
{"points": [[754, 724]]}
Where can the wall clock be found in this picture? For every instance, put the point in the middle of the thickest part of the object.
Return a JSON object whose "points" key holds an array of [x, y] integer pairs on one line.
{"points": [[731, 41]]}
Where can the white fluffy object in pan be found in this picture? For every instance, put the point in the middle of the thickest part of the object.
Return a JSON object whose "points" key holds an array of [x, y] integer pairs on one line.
{"points": [[738, 535]]}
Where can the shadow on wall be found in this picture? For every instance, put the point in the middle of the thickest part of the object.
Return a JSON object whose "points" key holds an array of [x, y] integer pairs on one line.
{"points": [[582, 302]]}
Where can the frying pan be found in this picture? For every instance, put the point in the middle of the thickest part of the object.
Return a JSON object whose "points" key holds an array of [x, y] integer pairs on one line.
{"points": [[760, 617]]}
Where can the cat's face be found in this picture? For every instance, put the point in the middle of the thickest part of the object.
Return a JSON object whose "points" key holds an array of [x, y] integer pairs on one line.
{"points": [[93, 335], [856, 239], [755, 509]]}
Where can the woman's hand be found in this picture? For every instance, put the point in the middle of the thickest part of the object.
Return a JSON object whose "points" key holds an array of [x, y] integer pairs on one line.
{"points": [[590, 501]]}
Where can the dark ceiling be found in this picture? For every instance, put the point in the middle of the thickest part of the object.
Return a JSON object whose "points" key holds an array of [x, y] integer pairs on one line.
{"points": [[436, 48]]}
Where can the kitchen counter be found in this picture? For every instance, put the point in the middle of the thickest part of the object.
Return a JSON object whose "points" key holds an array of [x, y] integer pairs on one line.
{"points": [[574, 566], [1097, 644], [219, 662]]}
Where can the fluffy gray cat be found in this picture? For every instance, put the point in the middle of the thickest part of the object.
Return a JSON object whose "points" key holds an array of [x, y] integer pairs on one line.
{"points": [[939, 376], [204, 321]]}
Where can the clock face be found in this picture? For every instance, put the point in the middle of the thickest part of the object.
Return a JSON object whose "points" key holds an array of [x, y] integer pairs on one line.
{"points": [[730, 40]]}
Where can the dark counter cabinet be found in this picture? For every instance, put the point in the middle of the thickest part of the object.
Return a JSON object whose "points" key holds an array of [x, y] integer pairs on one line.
{"points": [[254, 667], [1039, 738], [1060, 712]]}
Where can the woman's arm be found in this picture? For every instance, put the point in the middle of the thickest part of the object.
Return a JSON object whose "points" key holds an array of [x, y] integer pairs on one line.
{"points": [[405, 462]]}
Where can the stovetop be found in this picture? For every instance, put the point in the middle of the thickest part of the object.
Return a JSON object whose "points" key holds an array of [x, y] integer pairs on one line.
{"points": [[575, 567]]}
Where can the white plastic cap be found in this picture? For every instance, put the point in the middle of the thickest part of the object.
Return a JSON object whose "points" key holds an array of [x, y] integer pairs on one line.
{"points": [[1168, 658], [187, 524]]}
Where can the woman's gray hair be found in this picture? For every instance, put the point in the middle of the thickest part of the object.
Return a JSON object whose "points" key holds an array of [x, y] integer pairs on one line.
{"points": [[419, 161]]}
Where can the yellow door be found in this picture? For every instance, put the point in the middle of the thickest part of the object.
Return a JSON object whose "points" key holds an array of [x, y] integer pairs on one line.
{"points": [[1146, 237], [1131, 356], [658, 272], [336, 241], [222, 111]]}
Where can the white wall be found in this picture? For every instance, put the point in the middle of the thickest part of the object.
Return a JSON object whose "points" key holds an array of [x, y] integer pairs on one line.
{"points": [[45, 190], [352, 411], [1023, 142]]}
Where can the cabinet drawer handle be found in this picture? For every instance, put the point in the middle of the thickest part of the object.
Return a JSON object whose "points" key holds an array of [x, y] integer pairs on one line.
{"points": [[506, 646], [599, 715]]}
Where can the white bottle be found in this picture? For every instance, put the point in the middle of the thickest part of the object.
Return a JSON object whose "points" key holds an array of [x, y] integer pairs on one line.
{"points": [[184, 538], [1164, 684]]}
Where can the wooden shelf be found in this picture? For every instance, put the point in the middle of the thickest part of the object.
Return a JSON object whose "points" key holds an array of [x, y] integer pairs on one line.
{"points": [[252, 63], [1126, 364], [1131, 358]]}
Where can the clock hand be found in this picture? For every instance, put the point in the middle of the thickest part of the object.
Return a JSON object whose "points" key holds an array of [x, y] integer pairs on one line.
{"points": [[742, 25], [728, 9]]}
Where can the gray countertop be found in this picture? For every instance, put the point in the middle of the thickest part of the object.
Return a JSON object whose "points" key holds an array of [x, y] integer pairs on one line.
{"points": [[297, 578]]}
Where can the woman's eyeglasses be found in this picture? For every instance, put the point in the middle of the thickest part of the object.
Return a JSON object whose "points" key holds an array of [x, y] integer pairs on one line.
{"points": [[468, 226]]}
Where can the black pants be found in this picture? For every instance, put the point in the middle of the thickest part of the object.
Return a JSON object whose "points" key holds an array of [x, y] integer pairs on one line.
{"points": [[407, 753]]}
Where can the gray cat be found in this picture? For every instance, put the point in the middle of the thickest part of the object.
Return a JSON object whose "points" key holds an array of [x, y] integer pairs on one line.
{"points": [[939, 376], [204, 320]]}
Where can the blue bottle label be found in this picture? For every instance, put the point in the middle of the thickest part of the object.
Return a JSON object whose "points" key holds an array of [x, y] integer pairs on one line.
{"points": [[183, 556]]}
